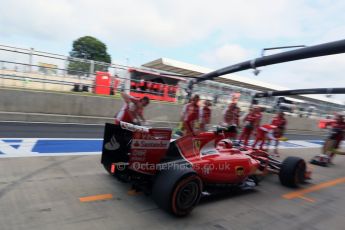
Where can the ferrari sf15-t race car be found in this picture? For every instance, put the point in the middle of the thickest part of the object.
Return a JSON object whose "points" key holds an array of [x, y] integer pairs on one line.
{"points": [[177, 172]]}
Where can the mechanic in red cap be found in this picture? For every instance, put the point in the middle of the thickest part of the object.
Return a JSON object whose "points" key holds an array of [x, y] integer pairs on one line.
{"points": [[205, 115], [132, 110], [280, 122], [190, 115], [250, 122]]}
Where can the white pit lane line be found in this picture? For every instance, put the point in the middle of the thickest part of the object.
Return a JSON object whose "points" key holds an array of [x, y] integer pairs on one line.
{"points": [[35, 147]]}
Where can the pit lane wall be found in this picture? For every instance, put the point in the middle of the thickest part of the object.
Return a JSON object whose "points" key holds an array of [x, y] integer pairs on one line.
{"points": [[40, 106]]}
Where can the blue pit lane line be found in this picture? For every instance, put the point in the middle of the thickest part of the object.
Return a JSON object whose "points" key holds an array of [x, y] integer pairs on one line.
{"points": [[67, 146], [24, 147]]}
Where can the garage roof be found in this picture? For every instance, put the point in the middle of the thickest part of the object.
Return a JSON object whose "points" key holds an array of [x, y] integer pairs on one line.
{"points": [[193, 71]]}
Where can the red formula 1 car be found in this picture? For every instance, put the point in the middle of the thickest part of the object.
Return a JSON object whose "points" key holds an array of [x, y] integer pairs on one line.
{"points": [[177, 173]]}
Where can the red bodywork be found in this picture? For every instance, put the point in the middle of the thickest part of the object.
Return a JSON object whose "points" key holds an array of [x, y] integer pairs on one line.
{"points": [[209, 154], [146, 151], [215, 162]]}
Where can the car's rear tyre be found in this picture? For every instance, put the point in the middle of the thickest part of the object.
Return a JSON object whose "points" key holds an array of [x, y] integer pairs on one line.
{"points": [[292, 172], [177, 191]]}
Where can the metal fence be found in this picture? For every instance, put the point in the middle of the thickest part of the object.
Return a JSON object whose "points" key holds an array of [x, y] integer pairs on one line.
{"points": [[32, 69], [29, 68]]}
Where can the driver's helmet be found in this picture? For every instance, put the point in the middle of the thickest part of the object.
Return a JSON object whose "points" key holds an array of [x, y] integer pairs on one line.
{"points": [[225, 144]]}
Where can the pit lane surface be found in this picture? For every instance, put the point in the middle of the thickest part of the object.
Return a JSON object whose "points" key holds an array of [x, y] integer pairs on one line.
{"points": [[75, 192], [56, 130], [19, 139], [44, 193]]}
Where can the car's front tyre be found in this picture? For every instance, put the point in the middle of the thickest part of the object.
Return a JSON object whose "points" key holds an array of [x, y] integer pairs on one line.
{"points": [[292, 171]]}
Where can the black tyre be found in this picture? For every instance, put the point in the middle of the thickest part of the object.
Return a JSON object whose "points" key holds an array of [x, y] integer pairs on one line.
{"points": [[177, 191], [292, 172]]}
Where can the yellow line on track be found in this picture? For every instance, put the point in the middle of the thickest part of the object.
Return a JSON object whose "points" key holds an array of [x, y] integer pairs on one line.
{"points": [[307, 199], [300, 193], [96, 198]]}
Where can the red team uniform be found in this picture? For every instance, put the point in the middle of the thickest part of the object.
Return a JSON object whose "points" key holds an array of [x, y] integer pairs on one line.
{"points": [[250, 122], [133, 109], [190, 115], [337, 132], [232, 115], [205, 117], [281, 123], [264, 132], [129, 111], [258, 115], [272, 131]]}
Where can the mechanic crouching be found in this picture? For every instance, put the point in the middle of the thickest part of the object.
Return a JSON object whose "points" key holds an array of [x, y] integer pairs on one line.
{"points": [[133, 110], [271, 132], [335, 137]]}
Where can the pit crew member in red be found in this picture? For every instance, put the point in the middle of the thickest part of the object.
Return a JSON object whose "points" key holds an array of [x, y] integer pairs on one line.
{"points": [[280, 122], [132, 110], [258, 115], [190, 115], [205, 115], [335, 137], [249, 125], [231, 115], [264, 132]]}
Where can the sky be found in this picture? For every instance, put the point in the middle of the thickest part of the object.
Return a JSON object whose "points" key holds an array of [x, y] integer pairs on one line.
{"points": [[208, 33]]}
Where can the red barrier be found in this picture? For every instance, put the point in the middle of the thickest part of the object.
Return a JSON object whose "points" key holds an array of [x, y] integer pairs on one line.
{"points": [[324, 123], [102, 83], [116, 84], [154, 91]]}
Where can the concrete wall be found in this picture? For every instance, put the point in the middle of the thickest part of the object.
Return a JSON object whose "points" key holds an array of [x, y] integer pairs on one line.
{"points": [[24, 105]]}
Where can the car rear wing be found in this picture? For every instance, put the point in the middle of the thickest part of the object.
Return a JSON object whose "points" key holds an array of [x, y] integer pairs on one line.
{"points": [[137, 146]]}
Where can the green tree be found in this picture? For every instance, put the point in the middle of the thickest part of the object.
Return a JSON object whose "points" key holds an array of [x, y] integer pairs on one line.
{"points": [[89, 48]]}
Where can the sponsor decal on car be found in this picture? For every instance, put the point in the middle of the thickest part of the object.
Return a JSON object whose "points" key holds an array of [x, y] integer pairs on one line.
{"points": [[150, 144], [239, 170], [112, 145], [138, 155]]}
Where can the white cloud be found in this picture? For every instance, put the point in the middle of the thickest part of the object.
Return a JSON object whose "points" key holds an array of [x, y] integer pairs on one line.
{"points": [[226, 55], [230, 30], [165, 23]]}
